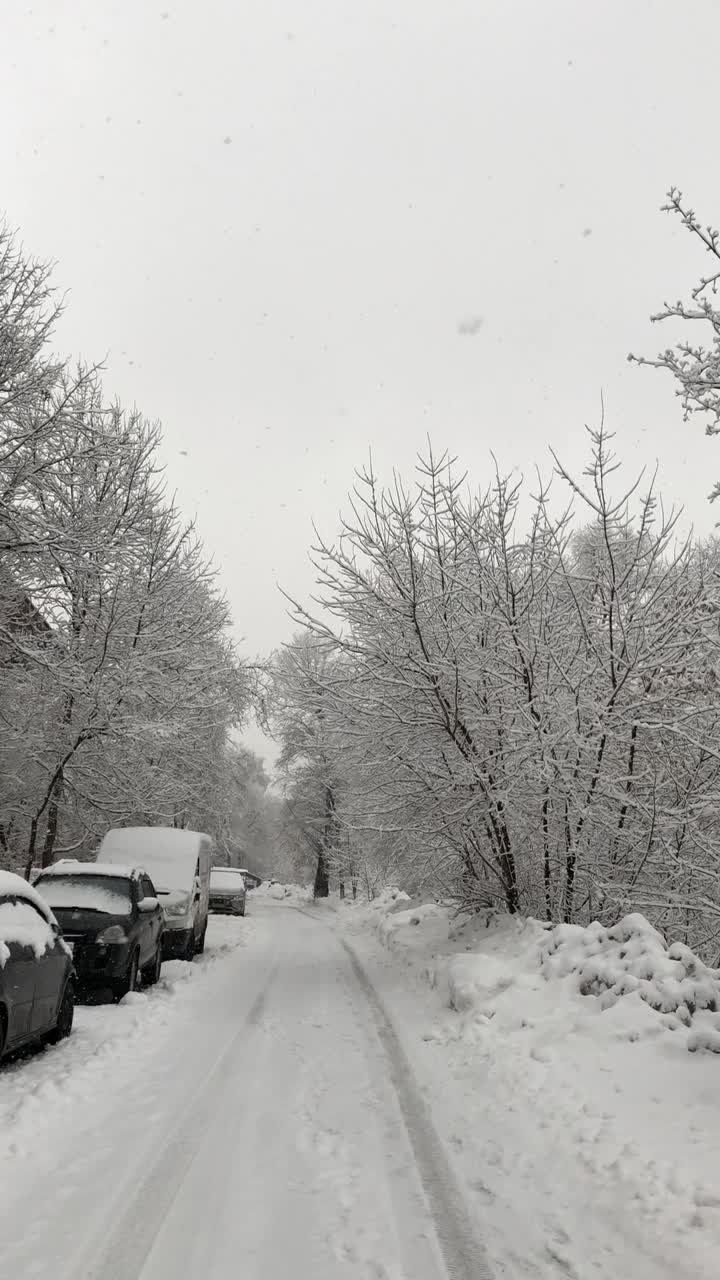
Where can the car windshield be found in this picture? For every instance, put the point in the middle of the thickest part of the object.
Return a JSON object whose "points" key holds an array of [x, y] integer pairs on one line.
{"points": [[109, 894], [226, 880]]}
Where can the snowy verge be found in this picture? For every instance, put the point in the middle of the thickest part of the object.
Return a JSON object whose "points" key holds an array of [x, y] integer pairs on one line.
{"points": [[558, 1061], [279, 892], [40, 1087]]}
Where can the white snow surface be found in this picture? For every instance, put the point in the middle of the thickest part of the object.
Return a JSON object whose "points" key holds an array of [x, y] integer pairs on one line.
{"points": [[248, 1115], [558, 1064], [21, 924], [11, 884], [296, 892], [237, 1119], [74, 867]]}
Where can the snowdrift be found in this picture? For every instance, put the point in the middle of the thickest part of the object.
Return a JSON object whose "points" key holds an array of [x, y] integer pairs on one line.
{"points": [[299, 892], [489, 964], [563, 1054], [631, 959]]}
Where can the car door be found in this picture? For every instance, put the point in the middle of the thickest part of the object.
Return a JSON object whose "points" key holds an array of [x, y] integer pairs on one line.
{"points": [[20, 967], [153, 919], [50, 977]]}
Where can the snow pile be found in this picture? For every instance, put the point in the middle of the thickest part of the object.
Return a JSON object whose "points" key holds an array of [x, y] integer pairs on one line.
{"points": [[632, 959], [566, 1049], [394, 917], [370, 912], [389, 898], [21, 923], [278, 892]]}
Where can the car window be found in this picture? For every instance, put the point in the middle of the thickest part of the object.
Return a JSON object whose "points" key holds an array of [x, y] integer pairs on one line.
{"points": [[220, 878], [86, 892], [146, 888], [23, 923]]}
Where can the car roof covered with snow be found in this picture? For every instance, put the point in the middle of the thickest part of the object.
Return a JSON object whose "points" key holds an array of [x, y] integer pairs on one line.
{"points": [[168, 854], [72, 867], [12, 884], [154, 847]]}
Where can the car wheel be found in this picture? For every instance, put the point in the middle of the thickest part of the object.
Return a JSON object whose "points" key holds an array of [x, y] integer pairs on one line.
{"points": [[129, 982], [66, 1013], [151, 972]]}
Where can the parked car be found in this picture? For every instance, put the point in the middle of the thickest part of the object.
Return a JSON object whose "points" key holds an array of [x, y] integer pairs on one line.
{"points": [[179, 863], [227, 891], [251, 880], [112, 918], [37, 993]]}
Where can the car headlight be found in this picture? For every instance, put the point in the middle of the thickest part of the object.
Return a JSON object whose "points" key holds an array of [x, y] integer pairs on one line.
{"points": [[176, 909], [113, 934]]}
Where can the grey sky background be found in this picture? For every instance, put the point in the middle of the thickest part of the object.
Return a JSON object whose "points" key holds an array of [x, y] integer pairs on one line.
{"points": [[275, 219]]}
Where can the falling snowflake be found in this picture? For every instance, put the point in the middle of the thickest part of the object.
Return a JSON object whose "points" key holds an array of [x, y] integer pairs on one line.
{"points": [[470, 325]]}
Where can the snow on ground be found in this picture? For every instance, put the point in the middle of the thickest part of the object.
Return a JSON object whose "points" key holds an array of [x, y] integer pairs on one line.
{"points": [[245, 1119], [39, 1089], [279, 892], [557, 1061], [252, 1107]]}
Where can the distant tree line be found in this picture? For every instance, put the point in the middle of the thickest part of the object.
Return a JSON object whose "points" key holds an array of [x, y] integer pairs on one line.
{"points": [[512, 698], [120, 687]]}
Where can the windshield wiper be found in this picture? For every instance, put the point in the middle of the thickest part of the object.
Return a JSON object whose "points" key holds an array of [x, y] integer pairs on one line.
{"points": [[96, 911]]}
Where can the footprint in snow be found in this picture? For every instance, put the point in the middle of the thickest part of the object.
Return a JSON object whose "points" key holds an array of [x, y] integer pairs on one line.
{"points": [[479, 1187]]}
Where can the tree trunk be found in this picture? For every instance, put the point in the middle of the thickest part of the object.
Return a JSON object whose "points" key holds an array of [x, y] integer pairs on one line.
{"points": [[322, 884], [546, 854], [52, 822], [31, 848], [570, 868], [342, 889]]}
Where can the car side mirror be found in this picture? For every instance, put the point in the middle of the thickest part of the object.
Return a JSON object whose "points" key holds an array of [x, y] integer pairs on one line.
{"points": [[148, 904]]}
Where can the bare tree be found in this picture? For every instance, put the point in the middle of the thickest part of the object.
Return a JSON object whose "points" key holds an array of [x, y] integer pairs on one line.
{"points": [[526, 710], [695, 366]]}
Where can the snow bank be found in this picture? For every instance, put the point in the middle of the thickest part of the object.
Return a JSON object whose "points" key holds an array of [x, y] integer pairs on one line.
{"points": [[298, 892], [475, 961], [39, 1094], [566, 1049], [632, 959]]}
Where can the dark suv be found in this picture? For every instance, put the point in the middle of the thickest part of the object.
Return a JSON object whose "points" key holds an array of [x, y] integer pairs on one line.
{"points": [[112, 919]]}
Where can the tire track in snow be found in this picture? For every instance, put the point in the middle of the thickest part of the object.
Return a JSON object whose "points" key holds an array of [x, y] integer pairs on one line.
{"points": [[143, 1204], [463, 1256]]}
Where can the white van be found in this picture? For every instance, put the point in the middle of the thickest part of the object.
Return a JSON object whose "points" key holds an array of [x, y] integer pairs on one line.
{"points": [[178, 863]]}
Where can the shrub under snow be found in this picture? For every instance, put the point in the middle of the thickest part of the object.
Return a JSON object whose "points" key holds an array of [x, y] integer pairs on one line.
{"points": [[632, 958]]}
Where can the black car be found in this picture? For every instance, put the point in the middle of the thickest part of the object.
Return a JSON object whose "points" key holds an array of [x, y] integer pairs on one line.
{"points": [[37, 996], [111, 917]]}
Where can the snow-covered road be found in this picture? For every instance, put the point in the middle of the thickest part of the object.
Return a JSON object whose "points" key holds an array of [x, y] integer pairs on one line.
{"points": [[254, 1115]]}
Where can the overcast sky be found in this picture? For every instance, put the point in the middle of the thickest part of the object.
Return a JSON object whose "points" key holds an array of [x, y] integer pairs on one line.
{"points": [[276, 222]]}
